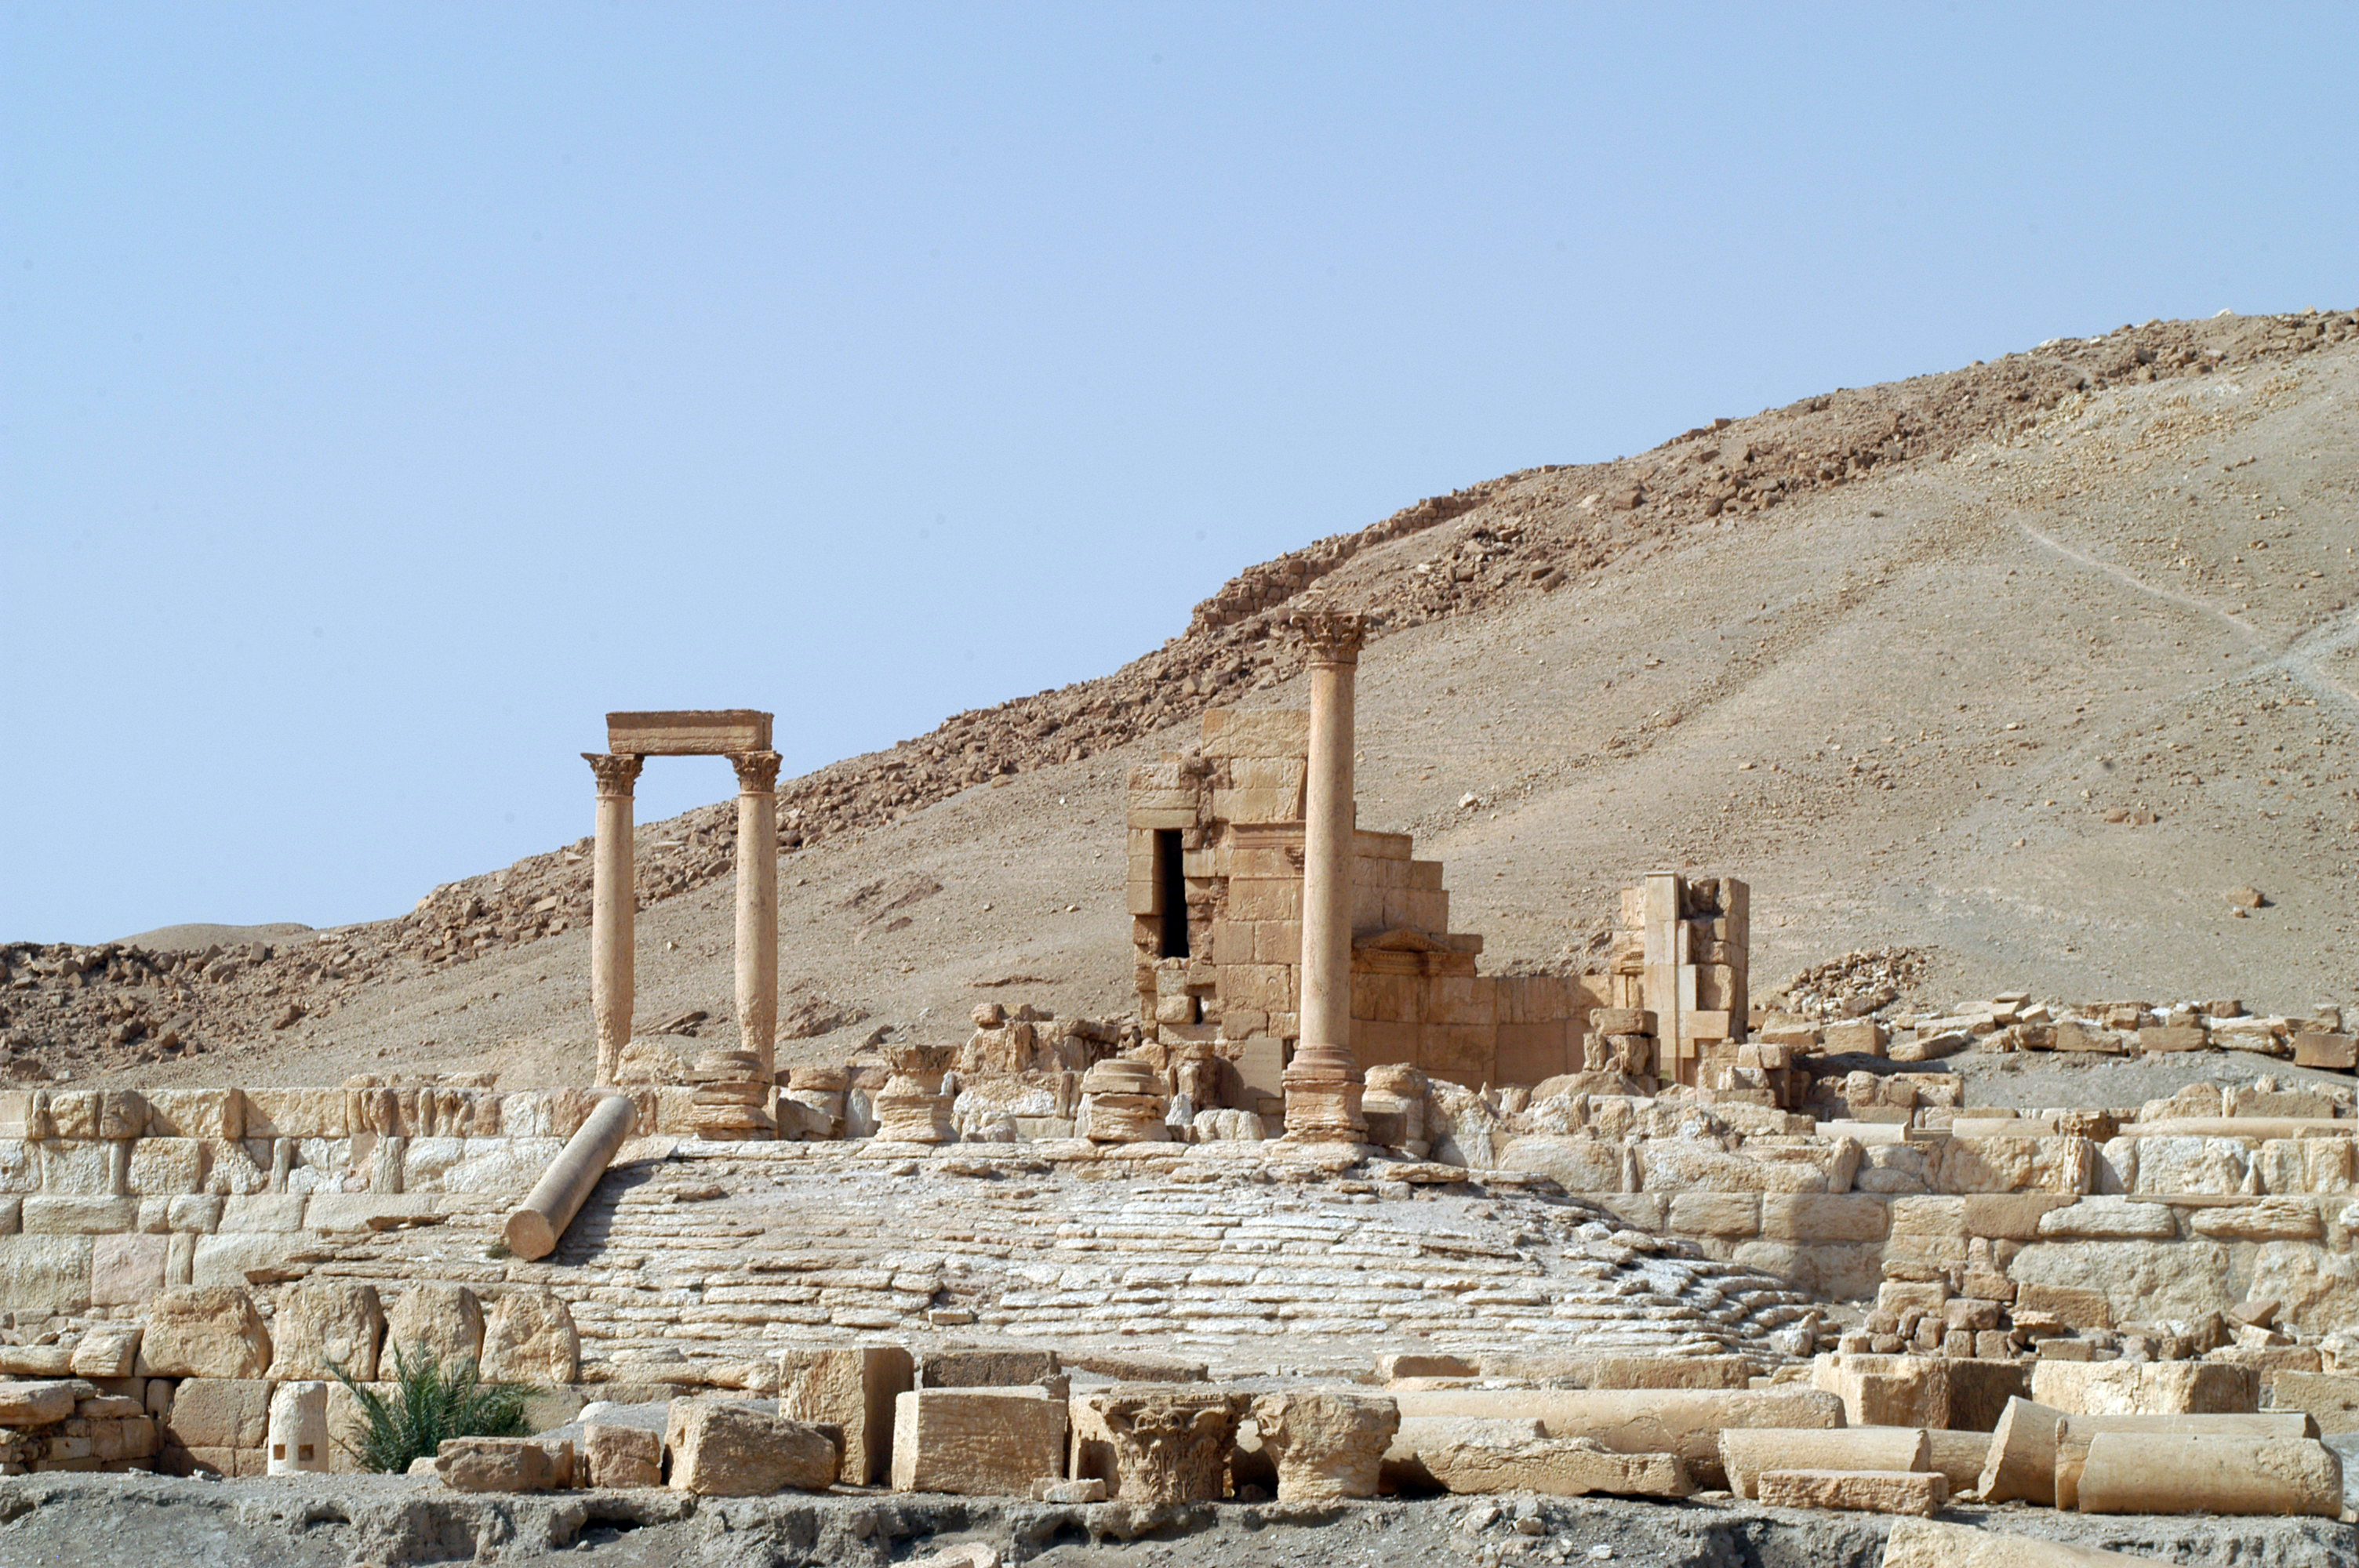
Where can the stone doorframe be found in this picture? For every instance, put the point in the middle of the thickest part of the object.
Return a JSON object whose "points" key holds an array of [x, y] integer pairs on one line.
{"points": [[742, 735]]}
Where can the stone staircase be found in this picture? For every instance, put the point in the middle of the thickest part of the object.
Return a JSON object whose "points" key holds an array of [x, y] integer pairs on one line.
{"points": [[701, 1262]]}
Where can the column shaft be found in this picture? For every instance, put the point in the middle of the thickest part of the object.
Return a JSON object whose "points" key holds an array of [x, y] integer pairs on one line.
{"points": [[1323, 1083], [613, 908], [757, 907], [1327, 843]]}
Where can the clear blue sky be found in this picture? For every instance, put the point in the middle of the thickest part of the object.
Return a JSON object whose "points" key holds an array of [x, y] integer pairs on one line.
{"points": [[387, 391]]}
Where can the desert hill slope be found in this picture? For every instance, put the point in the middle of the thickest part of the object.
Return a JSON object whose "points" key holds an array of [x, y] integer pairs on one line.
{"points": [[2027, 665]]}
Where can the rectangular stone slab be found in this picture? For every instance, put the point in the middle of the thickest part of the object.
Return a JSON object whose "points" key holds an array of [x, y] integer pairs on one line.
{"points": [[1685, 1421], [1919, 1492], [694, 732], [1746, 1454]]}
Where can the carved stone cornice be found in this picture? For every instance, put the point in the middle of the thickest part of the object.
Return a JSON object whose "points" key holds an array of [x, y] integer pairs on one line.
{"points": [[616, 772], [1330, 636], [757, 772]]}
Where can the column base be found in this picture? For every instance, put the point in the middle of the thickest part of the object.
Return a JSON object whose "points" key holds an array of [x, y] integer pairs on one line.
{"points": [[1323, 1089]]}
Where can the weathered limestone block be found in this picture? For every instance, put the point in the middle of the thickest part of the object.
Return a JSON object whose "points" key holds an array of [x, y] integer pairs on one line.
{"points": [[980, 1367], [204, 1331], [219, 1413], [2315, 1291], [2270, 1220], [2154, 1472], [615, 1457], [196, 1113], [1576, 1164], [168, 1167], [1919, 1492], [298, 1430], [1471, 1458], [2111, 1219], [504, 1465], [731, 1448], [1764, 1165], [1668, 1372], [445, 1322], [127, 1270], [530, 1338], [912, 1109], [2075, 1432], [1746, 1452], [1170, 1445], [2015, 1165], [1684, 1422], [1327, 1444], [1930, 1543], [107, 1350], [295, 1113], [48, 1273], [2145, 1388], [2140, 1279], [851, 1389], [36, 1403], [2329, 1398], [977, 1441], [1886, 1391], [327, 1326], [2021, 1463], [2305, 1166], [2194, 1165]]}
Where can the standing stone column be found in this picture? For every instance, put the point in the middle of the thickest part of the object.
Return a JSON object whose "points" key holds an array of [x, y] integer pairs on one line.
{"points": [[613, 908], [1323, 1083], [757, 907]]}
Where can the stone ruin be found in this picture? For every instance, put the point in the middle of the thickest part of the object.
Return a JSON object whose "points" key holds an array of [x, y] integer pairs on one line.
{"points": [[1334, 1215]]}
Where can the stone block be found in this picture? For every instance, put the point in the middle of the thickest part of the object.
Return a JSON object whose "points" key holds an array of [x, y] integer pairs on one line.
{"points": [[2074, 1307], [48, 1215], [2064, 1165], [972, 1367], [1745, 1453], [854, 1390], [45, 1274], [263, 1211], [1824, 1216], [107, 1350], [196, 1113], [530, 1338], [219, 1413], [238, 1260], [204, 1331], [1576, 1164], [37, 1403], [2329, 1399], [2270, 1220], [1980, 1388], [2142, 1280], [977, 1441], [1468, 1456], [1886, 1391], [617, 1457], [445, 1322], [504, 1465], [295, 1113], [2332, 1053], [1728, 1215], [168, 1167], [325, 1327], [2110, 1220], [1669, 1372], [2145, 1388], [1919, 1492], [125, 1271]]}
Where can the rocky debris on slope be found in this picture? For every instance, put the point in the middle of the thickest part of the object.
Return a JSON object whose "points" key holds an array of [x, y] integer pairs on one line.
{"points": [[1493, 544]]}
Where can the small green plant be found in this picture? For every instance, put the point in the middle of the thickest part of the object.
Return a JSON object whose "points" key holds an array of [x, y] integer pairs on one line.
{"points": [[428, 1405]]}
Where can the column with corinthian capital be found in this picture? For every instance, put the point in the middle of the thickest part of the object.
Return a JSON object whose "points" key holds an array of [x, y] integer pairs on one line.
{"points": [[613, 908], [757, 907], [1323, 1083]]}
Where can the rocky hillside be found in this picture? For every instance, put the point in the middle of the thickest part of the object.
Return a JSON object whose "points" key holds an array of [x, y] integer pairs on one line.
{"points": [[1514, 555]]}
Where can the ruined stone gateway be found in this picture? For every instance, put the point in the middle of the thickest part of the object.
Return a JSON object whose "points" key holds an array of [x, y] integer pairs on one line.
{"points": [[1335, 1216]]}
